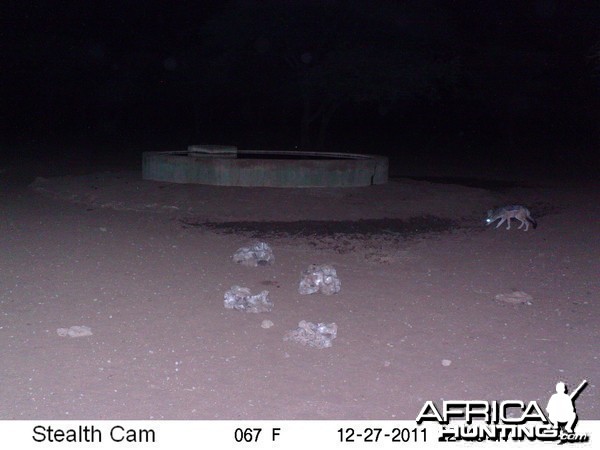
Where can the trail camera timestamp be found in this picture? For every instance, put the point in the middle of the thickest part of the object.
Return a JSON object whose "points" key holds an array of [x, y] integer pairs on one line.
{"points": [[381, 434]]}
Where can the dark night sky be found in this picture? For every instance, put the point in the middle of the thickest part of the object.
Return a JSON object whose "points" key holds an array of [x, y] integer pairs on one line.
{"points": [[478, 78]]}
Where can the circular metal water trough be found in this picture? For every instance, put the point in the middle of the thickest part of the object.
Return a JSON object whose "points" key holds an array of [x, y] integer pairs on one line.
{"points": [[228, 166]]}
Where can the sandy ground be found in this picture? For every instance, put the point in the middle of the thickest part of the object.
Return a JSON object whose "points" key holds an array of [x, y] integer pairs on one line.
{"points": [[145, 265]]}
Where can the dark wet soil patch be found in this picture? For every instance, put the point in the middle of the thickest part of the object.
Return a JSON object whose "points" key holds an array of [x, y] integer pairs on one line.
{"points": [[541, 209], [492, 185], [311, 228]]}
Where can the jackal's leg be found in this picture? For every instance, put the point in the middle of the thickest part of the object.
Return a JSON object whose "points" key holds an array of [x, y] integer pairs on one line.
{"points": [[501, 222], [522, 223]]}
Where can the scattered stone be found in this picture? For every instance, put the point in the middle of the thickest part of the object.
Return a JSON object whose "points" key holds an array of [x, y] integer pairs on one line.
{"points": [[317, 336], [266, 324], [446, 362], [241, 299], [258, 254], [515, 298], [74, 331], [319, 278]]}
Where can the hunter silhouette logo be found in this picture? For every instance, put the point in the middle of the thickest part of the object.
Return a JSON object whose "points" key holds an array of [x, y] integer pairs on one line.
{"points": [[514, 420], [561, 407]]}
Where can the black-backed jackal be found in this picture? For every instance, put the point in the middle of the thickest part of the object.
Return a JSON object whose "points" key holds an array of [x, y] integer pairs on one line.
{"points": [[506, 213]]}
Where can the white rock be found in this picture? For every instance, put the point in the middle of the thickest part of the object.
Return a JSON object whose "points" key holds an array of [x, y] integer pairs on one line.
{"points": [[266, 324], [74, 331]]}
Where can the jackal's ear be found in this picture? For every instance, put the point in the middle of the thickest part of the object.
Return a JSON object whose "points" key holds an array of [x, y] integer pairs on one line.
{"points": [[490, 212]]}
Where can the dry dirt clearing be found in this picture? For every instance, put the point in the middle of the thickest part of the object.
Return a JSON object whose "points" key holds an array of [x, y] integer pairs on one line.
{"points": [[145, 266]]}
